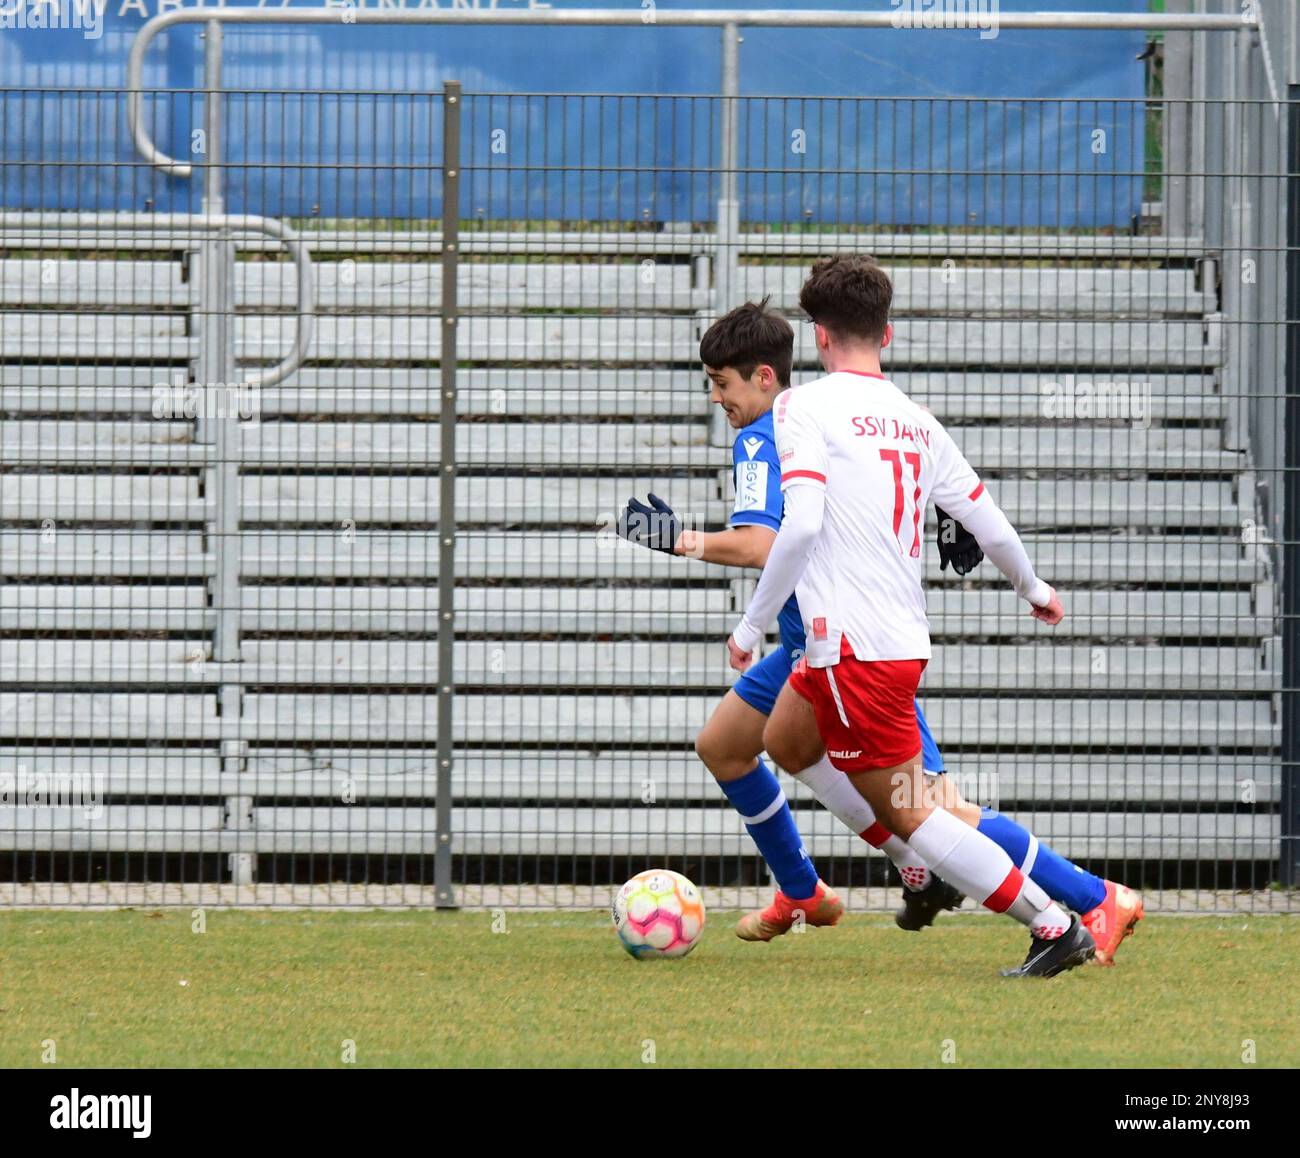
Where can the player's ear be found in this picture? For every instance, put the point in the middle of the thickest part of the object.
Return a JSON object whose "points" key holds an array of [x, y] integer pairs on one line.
{"points": [[889, 335]]}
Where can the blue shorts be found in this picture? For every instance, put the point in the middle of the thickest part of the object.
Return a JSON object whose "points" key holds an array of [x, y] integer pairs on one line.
{"points": [[762, 683]]}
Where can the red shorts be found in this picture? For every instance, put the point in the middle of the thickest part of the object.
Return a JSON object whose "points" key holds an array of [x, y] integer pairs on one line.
{"points": [[865, 709]]}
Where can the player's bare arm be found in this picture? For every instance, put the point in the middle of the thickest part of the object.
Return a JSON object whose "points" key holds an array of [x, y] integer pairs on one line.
{"points": [[745, 546]]}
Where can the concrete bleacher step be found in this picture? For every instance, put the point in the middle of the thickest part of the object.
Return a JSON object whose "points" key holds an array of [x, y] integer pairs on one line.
{"points": [[121, 553], [688, 611], [605, 718], [537, 664], [105, 607], [521, 500], [377, 392], [717, 831], [515, 664], [346, 553], [503, 775], [701, 611], [648, 832], [101, 497], [416, 287], [574, 556], [573, 446], [161, 338]]}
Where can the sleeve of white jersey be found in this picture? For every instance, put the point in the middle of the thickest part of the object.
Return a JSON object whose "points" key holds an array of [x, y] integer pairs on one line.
{"points": [[958, 490], [956, 486], [799, 443]]}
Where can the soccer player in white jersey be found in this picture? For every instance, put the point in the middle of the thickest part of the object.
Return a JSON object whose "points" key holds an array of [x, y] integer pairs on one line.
{"points": [[859, 464]]}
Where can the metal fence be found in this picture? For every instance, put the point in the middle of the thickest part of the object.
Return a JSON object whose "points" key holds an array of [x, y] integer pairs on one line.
{"points": [[310, 586]]}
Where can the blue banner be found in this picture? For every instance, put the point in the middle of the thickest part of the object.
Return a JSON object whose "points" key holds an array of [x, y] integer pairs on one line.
{"points": [[978, 126]]}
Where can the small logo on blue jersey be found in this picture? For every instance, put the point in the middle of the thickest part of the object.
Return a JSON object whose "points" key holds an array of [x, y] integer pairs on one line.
{"points": [[752, 446]]}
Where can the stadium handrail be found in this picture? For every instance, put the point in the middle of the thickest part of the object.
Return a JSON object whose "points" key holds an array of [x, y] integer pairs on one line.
{"points": [[13, 224], [730, 20]]}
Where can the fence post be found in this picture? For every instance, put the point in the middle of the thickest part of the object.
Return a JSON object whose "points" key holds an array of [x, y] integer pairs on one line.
{"points": [[445, 897], [218, 424], [1234, 217], [1176, 126], [726, 260], [1289, 849]]}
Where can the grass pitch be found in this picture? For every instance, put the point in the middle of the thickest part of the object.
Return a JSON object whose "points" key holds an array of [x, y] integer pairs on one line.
{"points": [[140, 988]]}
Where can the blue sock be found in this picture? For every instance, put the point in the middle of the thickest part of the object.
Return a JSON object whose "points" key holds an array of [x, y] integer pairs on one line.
{"points": [[758, 794], [1056, 876]]}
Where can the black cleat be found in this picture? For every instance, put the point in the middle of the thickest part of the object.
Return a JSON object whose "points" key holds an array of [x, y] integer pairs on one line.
{"points": [[922, 906], [1048, 958]]}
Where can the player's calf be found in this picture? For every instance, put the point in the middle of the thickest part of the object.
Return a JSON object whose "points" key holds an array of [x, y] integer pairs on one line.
{"points": [[972, 862]]}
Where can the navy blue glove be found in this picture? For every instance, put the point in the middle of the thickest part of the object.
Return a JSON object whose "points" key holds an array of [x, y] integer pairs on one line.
{"points": [[654, 526], [956, 545]]}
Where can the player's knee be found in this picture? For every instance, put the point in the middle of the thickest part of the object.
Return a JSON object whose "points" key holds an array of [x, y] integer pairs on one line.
{"points": [[902, 822], [712, 749], [704, 748], [911, 798], [775, 745], [787, 748]]}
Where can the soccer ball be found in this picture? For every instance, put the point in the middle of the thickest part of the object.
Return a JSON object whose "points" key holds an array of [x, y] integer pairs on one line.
{"points": [[658, 913]]}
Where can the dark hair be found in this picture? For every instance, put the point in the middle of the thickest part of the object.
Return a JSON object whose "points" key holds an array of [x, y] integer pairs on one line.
{"points": [[750, 336], [850, 295]]}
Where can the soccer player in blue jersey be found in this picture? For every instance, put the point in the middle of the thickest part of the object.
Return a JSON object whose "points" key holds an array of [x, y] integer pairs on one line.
{"points": [[748, 356]]}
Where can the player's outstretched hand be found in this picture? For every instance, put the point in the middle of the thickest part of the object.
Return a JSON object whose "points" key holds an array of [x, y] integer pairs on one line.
{"points": [[956, 545], [740, 660], [1052, 613], [654, 526]]}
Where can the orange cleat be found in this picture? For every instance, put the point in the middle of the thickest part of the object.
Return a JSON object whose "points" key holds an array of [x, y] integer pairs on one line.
{"points": [[822, 908], [1113, 920]]}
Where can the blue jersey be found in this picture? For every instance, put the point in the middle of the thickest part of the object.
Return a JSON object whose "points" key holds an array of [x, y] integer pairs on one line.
{"points": [[758, 500]]}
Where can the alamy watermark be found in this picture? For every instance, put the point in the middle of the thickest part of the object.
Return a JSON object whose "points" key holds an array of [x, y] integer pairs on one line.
{"points": [[85, 16], [83, 790], [186, 400], [1096, 401], [976, 14], [942, 790]]}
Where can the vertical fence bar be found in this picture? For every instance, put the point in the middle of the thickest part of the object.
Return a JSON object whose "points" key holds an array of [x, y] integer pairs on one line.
{"points": [[451, 112]]}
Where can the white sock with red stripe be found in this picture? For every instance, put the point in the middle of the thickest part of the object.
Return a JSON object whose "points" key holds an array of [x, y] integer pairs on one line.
{"points": [[967, 858], [836, 794]]}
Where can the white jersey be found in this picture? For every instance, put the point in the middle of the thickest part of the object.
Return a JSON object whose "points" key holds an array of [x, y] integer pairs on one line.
{"points": [[880, 459]]}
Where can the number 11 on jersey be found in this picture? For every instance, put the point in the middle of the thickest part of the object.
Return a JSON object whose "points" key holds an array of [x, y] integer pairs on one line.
{"points": [[913, 459]]}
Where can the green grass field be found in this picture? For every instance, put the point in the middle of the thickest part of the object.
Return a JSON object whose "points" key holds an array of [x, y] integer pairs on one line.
{"points": [[139, 988]]}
